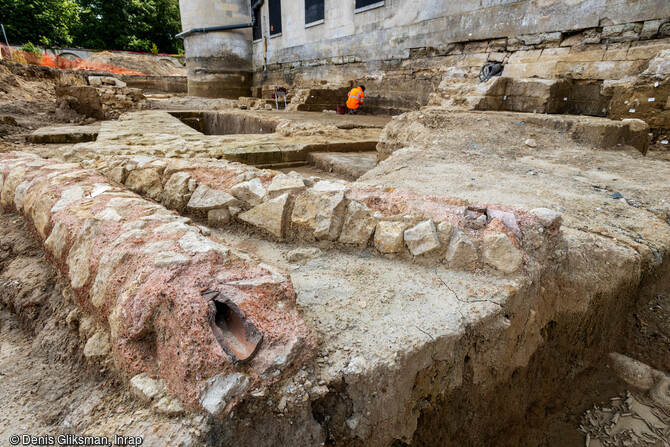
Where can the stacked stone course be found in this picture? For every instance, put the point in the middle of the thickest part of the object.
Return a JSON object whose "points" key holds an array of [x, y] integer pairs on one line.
{"points": [[427, 230]]}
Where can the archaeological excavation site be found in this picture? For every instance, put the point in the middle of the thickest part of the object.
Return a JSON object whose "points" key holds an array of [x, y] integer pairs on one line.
{"points": [[375, 223]]}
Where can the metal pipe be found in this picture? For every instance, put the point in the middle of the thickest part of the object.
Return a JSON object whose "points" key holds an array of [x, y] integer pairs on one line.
{"points": [[213, 29]]}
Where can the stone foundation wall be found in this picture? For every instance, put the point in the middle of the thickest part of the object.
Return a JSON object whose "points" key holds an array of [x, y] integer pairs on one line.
{"points": [[427, 230], [397, 85]]}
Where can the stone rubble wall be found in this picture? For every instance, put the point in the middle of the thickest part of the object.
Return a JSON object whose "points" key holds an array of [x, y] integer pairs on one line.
{"points": [[428, 230], [139, 271]]}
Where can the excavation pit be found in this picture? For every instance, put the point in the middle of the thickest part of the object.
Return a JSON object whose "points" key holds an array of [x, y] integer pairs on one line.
{"points": [[221, 123]]}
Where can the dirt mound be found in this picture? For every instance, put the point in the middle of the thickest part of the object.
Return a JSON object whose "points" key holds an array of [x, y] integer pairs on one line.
{"points": [[28, 97], [146, 64]]}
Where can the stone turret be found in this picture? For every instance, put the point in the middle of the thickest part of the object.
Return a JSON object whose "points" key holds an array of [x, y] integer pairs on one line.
{"points": [[219, 62]]}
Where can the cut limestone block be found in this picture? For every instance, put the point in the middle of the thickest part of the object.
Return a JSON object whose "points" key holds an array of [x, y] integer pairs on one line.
{"points": [[205, 198], [146, 182], [359, 224], [251, 192], [422, 238], [268, 216], [283, 183], [389, 236], [499, 252], [320, 214], [462, 251]]}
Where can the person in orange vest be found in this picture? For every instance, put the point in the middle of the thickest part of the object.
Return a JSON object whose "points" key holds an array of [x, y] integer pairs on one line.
{"points": [[356, 98]]}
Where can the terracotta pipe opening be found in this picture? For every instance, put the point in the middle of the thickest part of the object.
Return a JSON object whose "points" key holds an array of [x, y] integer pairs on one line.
{"points": [[238, 336]]}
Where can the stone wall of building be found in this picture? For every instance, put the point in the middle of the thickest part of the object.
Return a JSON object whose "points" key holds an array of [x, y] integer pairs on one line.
{"points": [[402, 49]]}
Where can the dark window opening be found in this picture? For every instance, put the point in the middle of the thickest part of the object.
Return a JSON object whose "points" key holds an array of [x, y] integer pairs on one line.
{"points": [[257, 30], [314, 11], [364, 3], [274, 7]]}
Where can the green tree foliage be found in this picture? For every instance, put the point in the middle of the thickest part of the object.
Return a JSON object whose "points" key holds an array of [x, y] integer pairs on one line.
{"points": [[46, 22], [129, 25], [134, 25], [31, 48]]}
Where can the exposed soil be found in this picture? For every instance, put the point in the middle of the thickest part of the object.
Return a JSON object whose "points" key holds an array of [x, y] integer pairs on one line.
{"points": [[146, 64], [28, 97]]}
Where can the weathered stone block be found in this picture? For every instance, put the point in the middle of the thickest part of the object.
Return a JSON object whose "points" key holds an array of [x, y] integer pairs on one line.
{"points": [[79, 257], [97, 346], [497, 45], [57, 241], [251, 192], [176, 193], [616, 52], [548, 218], [444, 232], [389, 236], [319, 213], [12, 181], [218, 218], [193, 242], [499, 252], [147, 389], [112, 258], [462, 251], [282, 183], [602, 70], [269, 216], [205, 198], [525, 57], [647, 50], [221, 389], [359, 224], [422, 238], [650, 29], [540, 70], [146, 182], [170, 259]]}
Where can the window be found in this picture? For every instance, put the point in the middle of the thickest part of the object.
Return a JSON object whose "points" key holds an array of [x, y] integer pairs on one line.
{"points": [[274, 6], [313, 11], [257, 30], [364, 5]]}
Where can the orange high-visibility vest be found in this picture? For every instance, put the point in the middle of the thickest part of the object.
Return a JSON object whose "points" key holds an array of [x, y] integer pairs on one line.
{"points": [[356, 98]]}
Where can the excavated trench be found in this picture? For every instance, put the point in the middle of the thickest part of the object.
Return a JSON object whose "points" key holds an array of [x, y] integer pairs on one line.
{"points": [[221, 123], [494, 403]]}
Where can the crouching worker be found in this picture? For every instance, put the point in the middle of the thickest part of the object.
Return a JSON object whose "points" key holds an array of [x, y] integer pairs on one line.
{"points": [[356, 98]]}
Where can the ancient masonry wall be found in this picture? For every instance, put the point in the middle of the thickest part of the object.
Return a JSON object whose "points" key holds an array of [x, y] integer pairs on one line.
{"points": [[402, 51], [426, 230], [148, 279]]}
